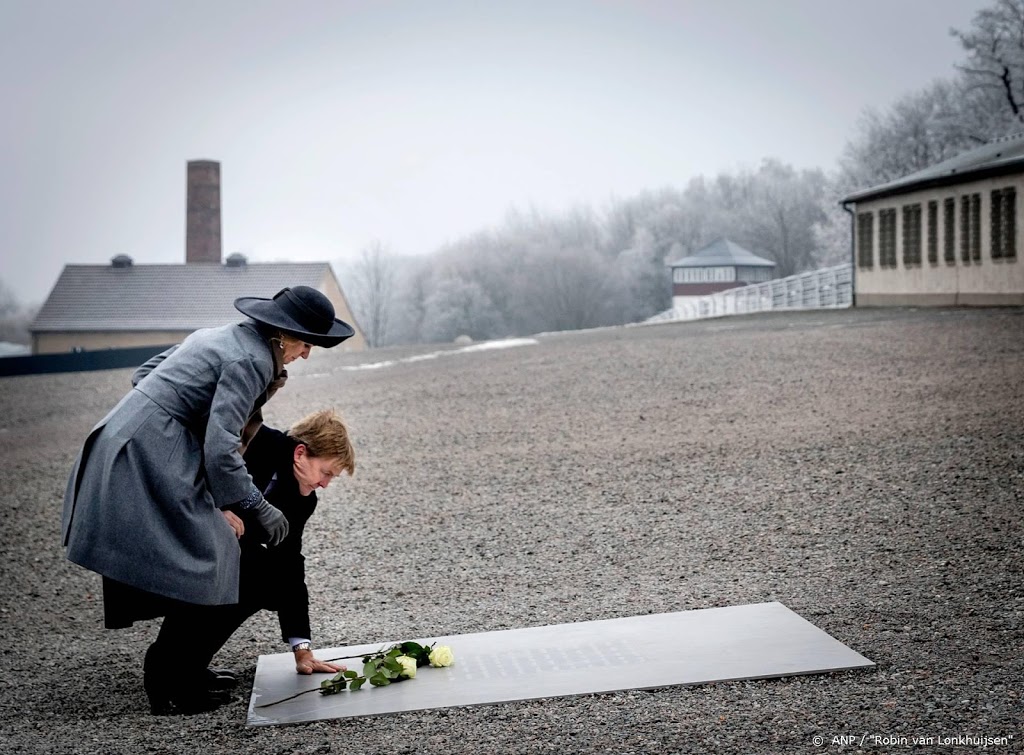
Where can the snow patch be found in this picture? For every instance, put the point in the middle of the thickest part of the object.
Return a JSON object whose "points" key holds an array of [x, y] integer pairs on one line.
{"points": [[505, 343]]}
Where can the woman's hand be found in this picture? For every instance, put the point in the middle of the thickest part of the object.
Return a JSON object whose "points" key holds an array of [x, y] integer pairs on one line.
{"points": [[305, 663], [236, 524]]}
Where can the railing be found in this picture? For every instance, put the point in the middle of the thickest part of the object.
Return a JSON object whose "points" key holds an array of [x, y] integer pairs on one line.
{"points": [[78, 361], [827, 288]]}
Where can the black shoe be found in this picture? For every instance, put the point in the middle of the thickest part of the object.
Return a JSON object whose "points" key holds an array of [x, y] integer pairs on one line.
{"points": [[168, 693], [163, 703], [217, 681]]}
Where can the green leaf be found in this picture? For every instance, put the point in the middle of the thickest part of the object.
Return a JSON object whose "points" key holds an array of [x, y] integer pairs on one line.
{"points": [[379, 680], [411, 649], [332, 686], [350, 674], [357, 683]]}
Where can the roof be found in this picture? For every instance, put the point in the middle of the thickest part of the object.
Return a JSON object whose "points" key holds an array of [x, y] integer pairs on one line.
{"points": [[722, 252], [998, 157], [164, 297]]}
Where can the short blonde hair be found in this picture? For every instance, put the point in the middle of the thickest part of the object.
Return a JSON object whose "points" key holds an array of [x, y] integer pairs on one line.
{"points": [[325, 435]]}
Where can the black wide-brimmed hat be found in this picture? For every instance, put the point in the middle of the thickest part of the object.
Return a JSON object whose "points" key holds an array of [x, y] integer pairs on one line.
{"points": [[302, 312]]}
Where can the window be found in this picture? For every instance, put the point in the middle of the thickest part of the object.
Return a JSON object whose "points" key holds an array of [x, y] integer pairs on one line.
{"points": [[949, 231], [965, 229], [912, 234], [976, 227], [703, 274], [970, 228], [754, 274], [887, 238], [1004, 223], [865, 240], [933, 233]]}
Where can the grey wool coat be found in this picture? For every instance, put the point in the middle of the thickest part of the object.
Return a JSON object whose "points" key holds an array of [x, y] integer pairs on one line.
{"points": [[143, 501]]}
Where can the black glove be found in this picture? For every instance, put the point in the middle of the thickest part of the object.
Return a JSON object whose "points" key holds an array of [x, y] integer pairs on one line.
{"points": [[272, 520]]}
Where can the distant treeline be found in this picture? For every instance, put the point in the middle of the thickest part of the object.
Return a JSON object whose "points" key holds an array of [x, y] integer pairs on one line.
{"points": [[593, 267]]}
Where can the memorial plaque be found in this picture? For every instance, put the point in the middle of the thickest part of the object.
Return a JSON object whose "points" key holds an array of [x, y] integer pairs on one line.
{"points": [[757, 641]]}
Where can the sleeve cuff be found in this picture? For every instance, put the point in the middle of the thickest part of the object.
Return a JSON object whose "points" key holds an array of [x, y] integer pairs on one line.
{"points": [[250, 500]]}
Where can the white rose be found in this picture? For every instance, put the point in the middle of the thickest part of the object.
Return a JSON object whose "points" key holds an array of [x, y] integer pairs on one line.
{"points": [[441, 656], [408, 666]]}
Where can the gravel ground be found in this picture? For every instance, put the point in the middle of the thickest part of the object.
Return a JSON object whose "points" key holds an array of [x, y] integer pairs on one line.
{"points": [[865, 468]]}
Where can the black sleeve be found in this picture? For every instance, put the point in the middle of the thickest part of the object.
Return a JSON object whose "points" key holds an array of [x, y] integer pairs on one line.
{"points": [[269, 451], [272, 451], [290, 572]]}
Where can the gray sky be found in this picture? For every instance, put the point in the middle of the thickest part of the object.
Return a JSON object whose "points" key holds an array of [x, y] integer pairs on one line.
{"points": [[337, 122]]}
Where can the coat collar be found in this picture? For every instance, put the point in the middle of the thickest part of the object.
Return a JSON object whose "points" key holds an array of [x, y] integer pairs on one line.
{"points": [[267, 334]]}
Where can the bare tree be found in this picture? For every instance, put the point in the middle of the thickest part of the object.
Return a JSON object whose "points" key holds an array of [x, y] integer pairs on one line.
{"points": [[373, 280]]}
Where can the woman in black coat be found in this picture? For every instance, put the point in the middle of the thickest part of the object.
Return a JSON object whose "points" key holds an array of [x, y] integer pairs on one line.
{"points": [[287, 468]]}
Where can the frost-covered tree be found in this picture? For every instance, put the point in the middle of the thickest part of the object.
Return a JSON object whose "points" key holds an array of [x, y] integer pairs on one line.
{"points": [[995, 56], [458, 307], [833, 233], [9, 304], [984, 101], [784, 208], [413, 284], [580, 269], [919, 130], [640, 279], [570, 289], [15, 317]]}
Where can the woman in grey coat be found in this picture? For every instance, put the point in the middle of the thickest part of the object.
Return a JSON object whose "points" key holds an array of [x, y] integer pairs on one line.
{"points": [[144, 502]]}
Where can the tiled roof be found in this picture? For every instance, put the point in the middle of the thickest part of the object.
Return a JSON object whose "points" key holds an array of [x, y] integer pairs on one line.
{"points": [[164, 297], [997, 157], [722, 252]]}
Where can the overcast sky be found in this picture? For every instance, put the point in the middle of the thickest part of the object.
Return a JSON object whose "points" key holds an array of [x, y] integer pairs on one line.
{"points": [[337, 122]]}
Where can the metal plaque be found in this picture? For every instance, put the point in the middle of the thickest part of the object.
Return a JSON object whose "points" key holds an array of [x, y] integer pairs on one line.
{"points": [[756, 641]]}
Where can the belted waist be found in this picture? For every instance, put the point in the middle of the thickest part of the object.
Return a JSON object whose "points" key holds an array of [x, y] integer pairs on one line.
{"points": [[194, 425]]}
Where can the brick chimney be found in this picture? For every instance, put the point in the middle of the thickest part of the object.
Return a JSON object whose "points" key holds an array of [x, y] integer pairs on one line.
{"points": [[202, 224]]}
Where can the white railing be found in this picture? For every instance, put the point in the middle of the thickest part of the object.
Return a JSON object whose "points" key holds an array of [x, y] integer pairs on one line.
{"points": [[827, 288]]}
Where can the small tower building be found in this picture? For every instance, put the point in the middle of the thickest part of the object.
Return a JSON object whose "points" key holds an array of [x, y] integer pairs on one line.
{"points": [[719, 266]]}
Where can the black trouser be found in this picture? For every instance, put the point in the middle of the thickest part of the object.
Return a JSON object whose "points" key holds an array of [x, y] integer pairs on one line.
{"points": [[188, 639]]}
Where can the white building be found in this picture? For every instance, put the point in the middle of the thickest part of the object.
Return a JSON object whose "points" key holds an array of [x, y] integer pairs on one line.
{"points": [[944, 236]]}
